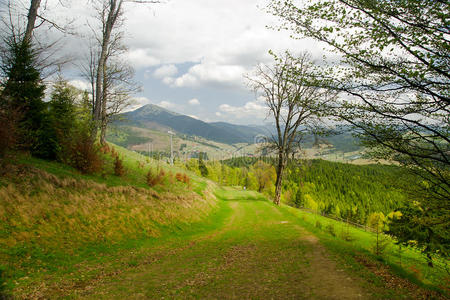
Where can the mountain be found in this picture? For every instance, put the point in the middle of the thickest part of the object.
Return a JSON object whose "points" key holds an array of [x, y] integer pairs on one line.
{"points": [[155, 117]]}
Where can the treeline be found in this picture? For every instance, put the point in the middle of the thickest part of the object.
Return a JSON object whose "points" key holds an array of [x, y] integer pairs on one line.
{"points": [[57, 129], [352, 192]]}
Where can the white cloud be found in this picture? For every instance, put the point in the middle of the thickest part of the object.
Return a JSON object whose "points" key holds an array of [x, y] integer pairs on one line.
{"points": [[194, 102], [140, 58], [80, 84], [223, 42], [255, 110], [165, 71], [193, 116], [212, 74]]}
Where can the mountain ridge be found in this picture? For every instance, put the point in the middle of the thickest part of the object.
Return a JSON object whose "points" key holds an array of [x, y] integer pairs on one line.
{"points": [[223, 132]]}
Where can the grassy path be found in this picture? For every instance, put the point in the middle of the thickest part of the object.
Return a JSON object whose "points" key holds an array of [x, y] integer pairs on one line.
{"points": [[259, 252]]}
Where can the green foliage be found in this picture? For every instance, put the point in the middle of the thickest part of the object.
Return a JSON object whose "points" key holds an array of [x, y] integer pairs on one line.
{"points": [[23, 91], [395, 62], [202, 167], [330, 229], [2, 283], [265, 175], [59, 122], [318, 224], [377, 222], [345, 191], [412, 228]]}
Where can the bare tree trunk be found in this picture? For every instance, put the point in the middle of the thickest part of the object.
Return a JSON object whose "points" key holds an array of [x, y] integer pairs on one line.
{"points": [[104, 120], [32, 15], [279, 181], [113, 13]]}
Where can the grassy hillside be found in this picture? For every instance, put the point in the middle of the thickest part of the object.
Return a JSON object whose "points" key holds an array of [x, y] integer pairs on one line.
{"points": [[52, 218]]}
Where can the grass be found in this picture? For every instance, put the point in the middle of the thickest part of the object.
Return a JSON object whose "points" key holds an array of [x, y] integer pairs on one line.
{"points": [[256, 250], [63, 234], [410, 265], [53, 218]]}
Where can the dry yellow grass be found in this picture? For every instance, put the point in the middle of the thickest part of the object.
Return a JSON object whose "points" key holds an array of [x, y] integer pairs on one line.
{"points": [[41, 209]]}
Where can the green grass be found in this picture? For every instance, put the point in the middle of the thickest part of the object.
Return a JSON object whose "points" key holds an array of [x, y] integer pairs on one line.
{"points": [[54, 219], [196, 246], [410, 265], [254, 250]]}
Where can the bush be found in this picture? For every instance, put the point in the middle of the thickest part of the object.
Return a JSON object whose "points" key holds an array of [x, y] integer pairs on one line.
{"points": [[119, 169], [183, 178], [330, 229], [83, 154], [155, 178], [318, 224]]}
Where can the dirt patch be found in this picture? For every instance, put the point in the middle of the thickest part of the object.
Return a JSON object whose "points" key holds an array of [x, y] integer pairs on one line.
{"points": [[394, 282], [326, 279]]}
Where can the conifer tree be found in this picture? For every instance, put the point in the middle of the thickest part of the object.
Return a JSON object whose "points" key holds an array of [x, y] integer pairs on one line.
{"points": [[23, 91]]}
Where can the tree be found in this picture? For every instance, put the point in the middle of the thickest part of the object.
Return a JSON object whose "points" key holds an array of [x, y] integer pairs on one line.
{"points": [[105, 77], [265, 174], [294, 103], [377, 221], [410, 226], [394, 83], [62, 116], [23, 91], [201, 166]]}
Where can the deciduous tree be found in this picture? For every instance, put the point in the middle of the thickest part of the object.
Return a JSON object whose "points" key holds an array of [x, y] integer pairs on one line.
{"points": [[394, 81], [293, 101]]}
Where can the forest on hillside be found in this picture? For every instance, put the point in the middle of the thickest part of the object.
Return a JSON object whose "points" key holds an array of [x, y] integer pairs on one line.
{"points": [[346, 191]]}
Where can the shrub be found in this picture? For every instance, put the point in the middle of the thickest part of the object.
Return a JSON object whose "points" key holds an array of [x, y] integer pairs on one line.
{"points": [[318, 224], [119, 169], [179, 177], [345, 234], [155, 179], [114, 154], [3, 289], [83, 154], [186, 179], [183, 178], [330, 229], [105, 149]]}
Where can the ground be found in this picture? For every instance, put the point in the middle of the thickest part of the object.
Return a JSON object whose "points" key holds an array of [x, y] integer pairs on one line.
{"points": [[258, 252]]}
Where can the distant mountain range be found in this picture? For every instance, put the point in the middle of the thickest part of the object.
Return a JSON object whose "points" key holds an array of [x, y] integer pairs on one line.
{"points": [[154, 117]]}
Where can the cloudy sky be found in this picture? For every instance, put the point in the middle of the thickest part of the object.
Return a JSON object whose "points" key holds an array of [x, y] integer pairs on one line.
{"points": [[191, 56]]}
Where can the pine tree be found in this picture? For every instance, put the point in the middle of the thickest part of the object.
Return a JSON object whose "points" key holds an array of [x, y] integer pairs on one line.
{"points": [[23, 91]]}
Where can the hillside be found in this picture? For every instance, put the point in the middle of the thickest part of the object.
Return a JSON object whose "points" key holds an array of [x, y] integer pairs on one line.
{"points": [[146, 129], [154, 117]]}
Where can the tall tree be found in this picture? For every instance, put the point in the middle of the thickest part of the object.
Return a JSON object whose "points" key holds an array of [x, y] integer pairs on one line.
{"points": [[394, 82], [31, 19], [293, 101], [103, 75]]}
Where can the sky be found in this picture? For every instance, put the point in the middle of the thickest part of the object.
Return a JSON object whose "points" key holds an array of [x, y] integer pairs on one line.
{"points": [[190, 56]]}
